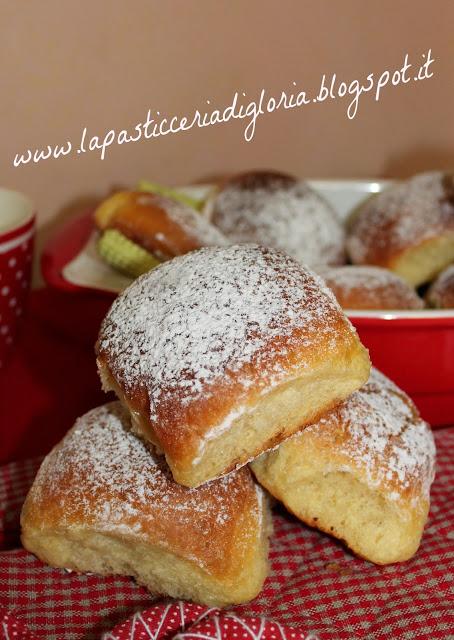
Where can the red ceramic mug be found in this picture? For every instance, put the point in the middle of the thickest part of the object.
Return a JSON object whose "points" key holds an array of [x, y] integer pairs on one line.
{"points": [[17, 230]]}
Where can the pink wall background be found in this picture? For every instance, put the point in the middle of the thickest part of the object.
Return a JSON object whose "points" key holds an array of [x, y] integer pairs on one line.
{"points": [[65, 65]]}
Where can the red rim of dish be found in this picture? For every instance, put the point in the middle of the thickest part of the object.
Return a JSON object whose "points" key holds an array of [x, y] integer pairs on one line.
{"points": [[436, 321]]}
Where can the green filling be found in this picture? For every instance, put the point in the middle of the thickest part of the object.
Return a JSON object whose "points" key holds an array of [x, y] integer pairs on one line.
{"points": [[152, 187], [124, 255]]}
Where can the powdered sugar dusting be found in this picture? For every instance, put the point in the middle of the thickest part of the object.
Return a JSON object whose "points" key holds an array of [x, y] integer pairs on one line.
{"points": [[370, 286], [218, 316], [193, 223], [385, 435], [115, 482], [289, 216], [441, 292], [402, 216]]}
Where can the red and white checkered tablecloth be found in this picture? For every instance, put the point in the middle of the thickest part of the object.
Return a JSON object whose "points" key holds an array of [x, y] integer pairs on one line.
{"points": [[316, 588]]}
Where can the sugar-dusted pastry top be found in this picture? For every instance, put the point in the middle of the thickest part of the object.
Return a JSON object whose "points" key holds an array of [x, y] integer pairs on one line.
{"points": [[405, 215], [378, 431], [193, 223], [368, 287], [441, 293], [362, 472], [104, 478], [278, 211], [199, 334]]}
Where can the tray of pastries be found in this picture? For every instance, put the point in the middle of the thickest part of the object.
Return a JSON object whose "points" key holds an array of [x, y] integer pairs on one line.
{"points": [[385, 248]]}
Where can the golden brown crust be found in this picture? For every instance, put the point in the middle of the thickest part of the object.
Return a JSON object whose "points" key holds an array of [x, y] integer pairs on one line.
{"points": [[178, 430], [189, 452], [413, 216], [441, 292], [361, 473], [365, 287], [198, 346], [104, 480], [160, 225]]}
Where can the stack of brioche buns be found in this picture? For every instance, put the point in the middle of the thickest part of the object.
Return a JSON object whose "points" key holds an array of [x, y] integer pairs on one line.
{"points": [[235, 370]]}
